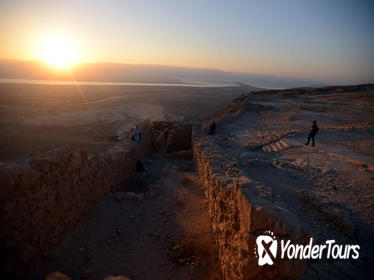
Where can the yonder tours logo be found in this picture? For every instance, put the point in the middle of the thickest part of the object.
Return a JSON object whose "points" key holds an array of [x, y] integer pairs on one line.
{"points": [[266, 249]]}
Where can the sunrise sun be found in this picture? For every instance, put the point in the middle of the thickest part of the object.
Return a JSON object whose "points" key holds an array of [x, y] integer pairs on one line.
{"points": [[59, 52]]}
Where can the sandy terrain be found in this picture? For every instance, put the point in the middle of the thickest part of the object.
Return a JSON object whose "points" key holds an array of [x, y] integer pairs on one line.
{"points": [[37, 118]]}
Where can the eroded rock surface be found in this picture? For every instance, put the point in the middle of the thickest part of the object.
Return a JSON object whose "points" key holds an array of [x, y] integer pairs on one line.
{"points": [[259, 175]]}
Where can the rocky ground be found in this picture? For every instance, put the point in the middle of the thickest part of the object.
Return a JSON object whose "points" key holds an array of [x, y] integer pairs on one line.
{"points": [[330, 186], [158, 229]]}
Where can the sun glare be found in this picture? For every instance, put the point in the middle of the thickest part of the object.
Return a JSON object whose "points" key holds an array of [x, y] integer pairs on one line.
{"points": [[58, 52]]}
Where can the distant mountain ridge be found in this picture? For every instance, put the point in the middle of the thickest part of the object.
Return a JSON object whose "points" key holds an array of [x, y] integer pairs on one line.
{"points": [[118, 72]]}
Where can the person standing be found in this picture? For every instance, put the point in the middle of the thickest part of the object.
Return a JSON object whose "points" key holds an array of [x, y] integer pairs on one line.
{"points": [[313, 131], [166, 130], [212, 129], [137, 134]]}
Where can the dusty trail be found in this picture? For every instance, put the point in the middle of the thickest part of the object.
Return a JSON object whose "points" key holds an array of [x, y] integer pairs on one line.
{"points": [[166, 235]]}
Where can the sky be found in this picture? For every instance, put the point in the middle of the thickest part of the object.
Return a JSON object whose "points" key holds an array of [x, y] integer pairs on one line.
{"points": [[322, 40]]}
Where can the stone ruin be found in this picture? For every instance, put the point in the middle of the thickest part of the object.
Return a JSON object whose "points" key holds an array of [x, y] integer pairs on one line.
{"points": [[44, 199]]}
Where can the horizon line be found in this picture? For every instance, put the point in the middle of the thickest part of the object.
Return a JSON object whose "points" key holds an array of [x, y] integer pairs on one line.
{"points": [[167, 65]]}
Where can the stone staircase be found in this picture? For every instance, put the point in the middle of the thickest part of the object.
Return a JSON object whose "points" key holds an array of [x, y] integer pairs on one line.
{"points": [[276, 146]]}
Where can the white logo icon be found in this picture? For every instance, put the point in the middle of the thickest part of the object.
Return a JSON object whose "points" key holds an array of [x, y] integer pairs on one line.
{"points": [[266, 248]]}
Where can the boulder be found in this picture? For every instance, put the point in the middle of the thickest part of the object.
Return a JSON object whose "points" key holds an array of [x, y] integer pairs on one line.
{"points": [[152, 192], [130, 195], [117, 278], [57, 276]]}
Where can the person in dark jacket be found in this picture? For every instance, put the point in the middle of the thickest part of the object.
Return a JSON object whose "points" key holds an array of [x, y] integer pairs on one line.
{"points": [[135, 134], [313, 131], [212, 129], [166, 130]]}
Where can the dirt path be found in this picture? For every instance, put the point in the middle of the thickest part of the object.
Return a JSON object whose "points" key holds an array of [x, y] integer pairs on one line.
{"points": [[165, 236]]}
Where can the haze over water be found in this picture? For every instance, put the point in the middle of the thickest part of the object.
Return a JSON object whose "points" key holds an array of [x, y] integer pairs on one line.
{"points": [[87, 83]]}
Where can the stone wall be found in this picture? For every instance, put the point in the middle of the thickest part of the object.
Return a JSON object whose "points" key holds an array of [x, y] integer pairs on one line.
{"points": [[240, 210], [177, 139], [180, 137], [43, 199]]}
